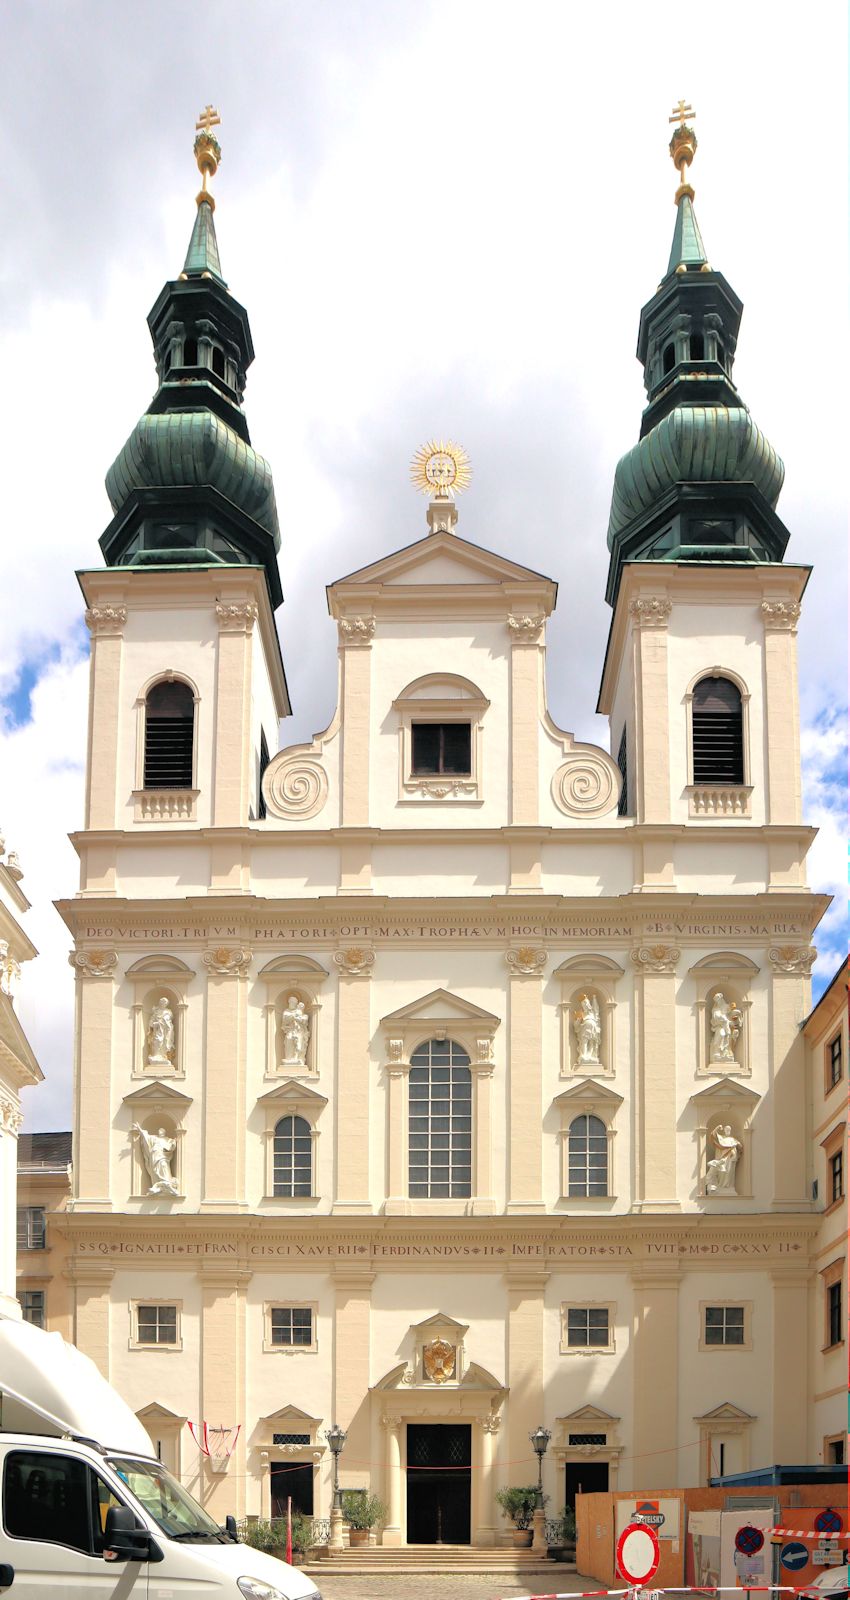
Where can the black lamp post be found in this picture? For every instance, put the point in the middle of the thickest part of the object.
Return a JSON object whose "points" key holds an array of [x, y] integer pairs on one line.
{"points": [[336, 1438], [539, 1440]]}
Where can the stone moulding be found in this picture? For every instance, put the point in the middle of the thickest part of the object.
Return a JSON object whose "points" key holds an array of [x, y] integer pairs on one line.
{"points": [[527, 960], [783, 614], [228, 961], [236, 615], [651, 611], [656, 957], [105, 619], [793, 958], [94, 963]]}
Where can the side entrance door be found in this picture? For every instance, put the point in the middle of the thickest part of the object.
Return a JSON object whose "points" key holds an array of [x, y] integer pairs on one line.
{"points": [[584, 1477]]}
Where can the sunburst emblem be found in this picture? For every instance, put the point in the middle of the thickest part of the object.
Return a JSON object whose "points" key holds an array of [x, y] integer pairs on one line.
{"points": [[441, 468]]}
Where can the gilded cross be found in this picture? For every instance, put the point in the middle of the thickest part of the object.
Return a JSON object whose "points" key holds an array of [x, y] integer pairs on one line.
{"points": [[210, 118], [680, 113]]}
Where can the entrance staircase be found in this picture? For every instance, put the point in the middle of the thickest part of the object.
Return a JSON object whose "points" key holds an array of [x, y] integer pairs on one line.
{"points": [[432, 1559]]}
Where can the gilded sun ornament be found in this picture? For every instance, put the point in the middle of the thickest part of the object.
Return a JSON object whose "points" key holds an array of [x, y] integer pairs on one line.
{"points": [[441, 469]]}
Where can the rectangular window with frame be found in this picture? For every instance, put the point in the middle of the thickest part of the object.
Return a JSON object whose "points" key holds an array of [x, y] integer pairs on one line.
{"points": [[836, 1177], [31, 1228], [291, 1326], [724, 1325], [441, 747], [834, 1318], [588, 1327], [834, 1062], [32, 1306], [156, 1324]]}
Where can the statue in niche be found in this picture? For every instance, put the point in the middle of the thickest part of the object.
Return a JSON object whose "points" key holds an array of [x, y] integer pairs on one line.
{"points": [[725, 1022], [588, 1031], [157, 1150], [295, 1027], [720, 1172], [160, 1037]]}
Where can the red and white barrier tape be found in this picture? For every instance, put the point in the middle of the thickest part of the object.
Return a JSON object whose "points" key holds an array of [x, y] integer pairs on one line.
{"points": [[804, 1533], [635, 1593]]}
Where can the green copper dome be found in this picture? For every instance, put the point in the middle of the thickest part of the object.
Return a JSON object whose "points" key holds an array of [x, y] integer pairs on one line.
{"points": [[194, 449], [693, 444]]}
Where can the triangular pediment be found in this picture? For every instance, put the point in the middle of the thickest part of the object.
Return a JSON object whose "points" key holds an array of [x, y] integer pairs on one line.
{"points": [[443, 559], [292, 1093], [727, 1092], [439, 1325], [157, 1414], [439, 1006], [588, 1414], [295, 1415], [726, 1412], [15, 1049], [588, 1093], [157, 1094]]}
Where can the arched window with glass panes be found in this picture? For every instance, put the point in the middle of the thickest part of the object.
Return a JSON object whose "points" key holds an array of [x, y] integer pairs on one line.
{"points": [[169, 736], [587, 1150], [717, 727], [292, 1176], [440, 1134]]}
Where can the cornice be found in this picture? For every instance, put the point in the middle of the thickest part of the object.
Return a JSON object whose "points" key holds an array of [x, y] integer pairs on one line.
{"points": [[624, 828]]}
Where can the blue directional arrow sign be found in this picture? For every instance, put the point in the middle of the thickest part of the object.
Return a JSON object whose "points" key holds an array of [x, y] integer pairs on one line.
{"points": [[794, 1556]]}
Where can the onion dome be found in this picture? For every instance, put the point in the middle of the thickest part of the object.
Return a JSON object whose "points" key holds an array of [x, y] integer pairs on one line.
{"points": [[702, 482], [187, 488]]}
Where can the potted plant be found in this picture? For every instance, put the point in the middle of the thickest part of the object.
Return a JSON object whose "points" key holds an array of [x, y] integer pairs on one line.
{"points": [[563, 1547], [361, 1512], [519, 1503]]}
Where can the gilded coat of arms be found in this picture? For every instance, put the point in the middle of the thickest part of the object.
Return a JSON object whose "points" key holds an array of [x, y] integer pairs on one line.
{"points": [[438, 1359]]}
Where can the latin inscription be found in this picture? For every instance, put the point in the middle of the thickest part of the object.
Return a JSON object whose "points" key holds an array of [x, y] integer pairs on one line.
{"points": [[446, 929], [332, 1250]]}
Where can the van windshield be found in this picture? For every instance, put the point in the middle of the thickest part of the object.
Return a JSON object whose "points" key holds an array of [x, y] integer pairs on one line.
{"points": [[172, 1508]]}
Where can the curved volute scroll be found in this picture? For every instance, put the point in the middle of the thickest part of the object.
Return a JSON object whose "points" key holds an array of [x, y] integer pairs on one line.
{"points": [[297, 781], [587, 783]]}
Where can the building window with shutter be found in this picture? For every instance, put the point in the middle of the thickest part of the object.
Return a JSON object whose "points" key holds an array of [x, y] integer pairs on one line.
{"points": [[717, 727], [169, 736], [31, 1228]]}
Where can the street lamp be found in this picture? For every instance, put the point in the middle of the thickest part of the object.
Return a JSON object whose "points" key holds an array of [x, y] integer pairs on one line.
{"points": [[539, 1440], [336, 1438]]}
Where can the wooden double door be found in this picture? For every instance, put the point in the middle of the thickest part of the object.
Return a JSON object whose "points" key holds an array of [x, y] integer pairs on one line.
{"points": [[439, 1482]]}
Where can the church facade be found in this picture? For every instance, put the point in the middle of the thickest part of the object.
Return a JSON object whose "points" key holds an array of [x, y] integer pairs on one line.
{"points": [[443, 1077]]}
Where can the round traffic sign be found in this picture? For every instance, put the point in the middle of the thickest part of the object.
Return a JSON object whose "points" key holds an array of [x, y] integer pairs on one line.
{"points": [[793, 1556], [749, 1540], [638, 1554], [828, 1521]]}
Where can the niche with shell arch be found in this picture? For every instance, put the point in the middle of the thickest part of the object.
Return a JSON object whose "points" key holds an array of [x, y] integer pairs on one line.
{"points": [[595, 976], [156, 1107], [155, 978], [302, 977], [729, 974]]}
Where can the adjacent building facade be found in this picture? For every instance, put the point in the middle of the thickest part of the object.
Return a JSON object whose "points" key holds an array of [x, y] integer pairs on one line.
{"points": [[827, 1053], [444, 1076], [19, 1068]]}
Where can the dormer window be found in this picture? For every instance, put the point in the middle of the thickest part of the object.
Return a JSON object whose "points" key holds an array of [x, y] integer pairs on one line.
{"points": [[441, 747]]}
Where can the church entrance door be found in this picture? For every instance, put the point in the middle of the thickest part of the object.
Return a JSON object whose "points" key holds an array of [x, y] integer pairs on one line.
{"points": [[291, 1481], [439, 1482]]}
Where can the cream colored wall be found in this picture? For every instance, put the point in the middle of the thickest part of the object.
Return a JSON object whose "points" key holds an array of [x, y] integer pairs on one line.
{"points": [[8, 1193], [583, 868], [156, 642], [701, 637]]}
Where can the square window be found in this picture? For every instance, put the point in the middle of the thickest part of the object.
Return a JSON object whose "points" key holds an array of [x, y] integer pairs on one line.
{"points": [[156, 1324], [724, 1325], [588, 1327], [291, 1326], [441, 747]]}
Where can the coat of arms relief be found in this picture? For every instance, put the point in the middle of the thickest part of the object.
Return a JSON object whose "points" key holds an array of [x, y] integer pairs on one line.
{"points": [[439, 1360]]}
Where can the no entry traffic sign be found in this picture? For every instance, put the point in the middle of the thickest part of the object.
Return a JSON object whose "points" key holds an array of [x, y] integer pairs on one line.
{"points": [[638, 1554]]}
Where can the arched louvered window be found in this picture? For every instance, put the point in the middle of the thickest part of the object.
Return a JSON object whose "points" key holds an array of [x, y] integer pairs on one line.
{"points": [[440, 1149], [718, 732], [169, 736], [588, 1157], [697, 347], [293, 1158]]}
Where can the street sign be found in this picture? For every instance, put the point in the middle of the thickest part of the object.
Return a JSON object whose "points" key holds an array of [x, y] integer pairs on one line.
{"points": [[827, 1555], [649, 1513], [793, 1556], [638, 1554], [829, 1521], [749, 1540]]}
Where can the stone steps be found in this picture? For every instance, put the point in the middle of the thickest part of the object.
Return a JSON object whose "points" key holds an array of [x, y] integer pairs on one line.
{"points": [[429, 1560]]}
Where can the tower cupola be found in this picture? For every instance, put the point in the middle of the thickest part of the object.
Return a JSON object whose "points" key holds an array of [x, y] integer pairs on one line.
{"points": [[703, 481], [187, 488]]}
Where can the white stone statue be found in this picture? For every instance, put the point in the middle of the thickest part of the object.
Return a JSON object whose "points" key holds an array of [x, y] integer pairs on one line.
{"points": [[725, 1023], [295, 1026], [588, 1031], [157, 1151], [161, 1034], [720, 1172]]}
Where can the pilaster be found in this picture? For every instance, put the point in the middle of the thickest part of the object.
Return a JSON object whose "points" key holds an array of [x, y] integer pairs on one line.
{"points": [[353, 1073], [790, 1367], [655, 1037], [526, 635], [526, 1312], [222, 1381], [232, 747], [392, 1527], [351, 1372], [224, 1079], [649, 617], [93, 1096], [92, 1297], [106, 626], [355, 655], [525, 1079], [781, 706], [790, 1003], [655, 1378]]}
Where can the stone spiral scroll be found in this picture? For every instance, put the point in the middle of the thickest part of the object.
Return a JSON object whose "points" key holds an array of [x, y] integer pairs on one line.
{"points": [[295, 789], [586, 785]]}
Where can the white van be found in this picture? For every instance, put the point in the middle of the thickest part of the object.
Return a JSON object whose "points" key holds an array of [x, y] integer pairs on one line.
{"points": [[86, 1507]]}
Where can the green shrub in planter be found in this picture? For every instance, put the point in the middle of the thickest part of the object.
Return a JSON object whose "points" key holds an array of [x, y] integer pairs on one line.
{"points": [[567, 1526], [519, 1504], [362, 1511], [269, 1534]]}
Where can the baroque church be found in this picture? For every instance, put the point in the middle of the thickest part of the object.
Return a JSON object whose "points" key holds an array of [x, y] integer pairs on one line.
{"points": [[442, 1078]]}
